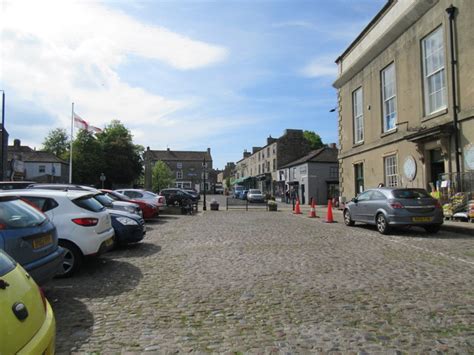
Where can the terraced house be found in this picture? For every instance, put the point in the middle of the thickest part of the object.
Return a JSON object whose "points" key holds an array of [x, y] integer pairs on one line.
{"points": [[406, 98]]}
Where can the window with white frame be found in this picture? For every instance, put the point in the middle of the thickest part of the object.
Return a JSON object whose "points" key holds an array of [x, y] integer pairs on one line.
{"points": [[42, 168], [179, 165], [333, 172], [358, 115], [179, 174], [433, 72], [391, 171], [389, 98]]}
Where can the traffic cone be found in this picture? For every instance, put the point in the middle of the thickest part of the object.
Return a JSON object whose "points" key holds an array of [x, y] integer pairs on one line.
{"points": [[329, 218], [312, 211], [297, 207]]}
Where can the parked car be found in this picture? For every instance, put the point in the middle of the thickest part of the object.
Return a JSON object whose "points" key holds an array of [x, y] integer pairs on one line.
{"points": [[99, 195], [389, 207], [193, 193], [83, 224], [254, 195], [27, 324], [149, 210], [145, 196], [219, 189], [128, 227], [13, 185], [177, 196], [238, 191], [30, 238], [243, 194]]}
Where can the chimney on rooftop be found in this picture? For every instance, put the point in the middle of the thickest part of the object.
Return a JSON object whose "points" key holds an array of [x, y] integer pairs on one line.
{"points": [[17, 143]]}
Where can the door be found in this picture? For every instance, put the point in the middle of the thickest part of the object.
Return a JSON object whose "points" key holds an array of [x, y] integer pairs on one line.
{"points": [[436, 167], [359, 208], [359, 178], [376, 201], [302, 194]]}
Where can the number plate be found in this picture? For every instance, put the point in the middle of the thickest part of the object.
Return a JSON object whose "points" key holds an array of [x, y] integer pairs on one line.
{"points": [[422, 219], [42, 241]]}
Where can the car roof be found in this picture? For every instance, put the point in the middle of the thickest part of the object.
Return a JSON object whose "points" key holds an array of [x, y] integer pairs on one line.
{"points": [[71, 194]]}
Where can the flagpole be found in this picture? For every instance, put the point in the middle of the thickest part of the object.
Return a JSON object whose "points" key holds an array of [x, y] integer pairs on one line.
{"points": [[70, 147]]}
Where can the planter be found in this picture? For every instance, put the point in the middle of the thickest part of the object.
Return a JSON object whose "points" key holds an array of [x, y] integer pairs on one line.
{"points": [[214, 206], [273, 207]]}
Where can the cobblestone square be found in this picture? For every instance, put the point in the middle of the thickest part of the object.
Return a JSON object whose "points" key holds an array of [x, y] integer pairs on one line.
{"points": [[262, 282]]}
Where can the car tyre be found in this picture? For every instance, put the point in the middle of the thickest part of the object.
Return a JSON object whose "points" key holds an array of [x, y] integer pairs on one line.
{"points": [[72, 259], [347, 219], [382, 224], [432, 228]]}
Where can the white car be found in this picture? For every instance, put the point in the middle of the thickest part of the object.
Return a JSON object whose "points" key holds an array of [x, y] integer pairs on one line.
{"points": [[84, 226], [145, 196], [255, 195]]}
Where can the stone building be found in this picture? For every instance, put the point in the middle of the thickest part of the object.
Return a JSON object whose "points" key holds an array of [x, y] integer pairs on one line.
{"points": [[187, 167], [25, 163], [406, 98], [258, 169]]}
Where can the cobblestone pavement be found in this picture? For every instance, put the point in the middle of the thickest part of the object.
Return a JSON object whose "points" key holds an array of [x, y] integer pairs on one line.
{"points": [[263, 282]]}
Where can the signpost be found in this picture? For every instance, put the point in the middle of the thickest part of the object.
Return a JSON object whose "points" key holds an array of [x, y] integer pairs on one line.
{"points": [[102, 179]]}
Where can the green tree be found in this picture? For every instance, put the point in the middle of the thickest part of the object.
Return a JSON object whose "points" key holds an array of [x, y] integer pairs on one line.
{"points": [[57, 142], [87, 159], [313, 139], [122, 158], [162, 176]]}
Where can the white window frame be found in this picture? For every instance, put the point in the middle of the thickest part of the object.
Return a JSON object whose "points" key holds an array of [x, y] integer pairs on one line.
{"points": [[389, 98], [41, 169], [179, 165], [179, 174], [358, 115], [433, 60], [390, 165]]}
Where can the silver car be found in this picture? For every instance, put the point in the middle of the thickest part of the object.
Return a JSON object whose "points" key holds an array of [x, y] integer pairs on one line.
{"points": [[254, 195], [387, 207]]}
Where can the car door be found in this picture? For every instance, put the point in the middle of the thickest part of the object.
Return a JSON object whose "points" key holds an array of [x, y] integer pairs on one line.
{"points": [[359, 209], [377, 200]]}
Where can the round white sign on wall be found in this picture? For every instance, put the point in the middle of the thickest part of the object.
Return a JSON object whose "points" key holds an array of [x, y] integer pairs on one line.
{"points": [[409, 168], [469, 156]]}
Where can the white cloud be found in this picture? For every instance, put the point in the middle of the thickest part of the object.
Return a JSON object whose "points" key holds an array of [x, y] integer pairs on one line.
{"points": [[57, 52], [323, 66]]}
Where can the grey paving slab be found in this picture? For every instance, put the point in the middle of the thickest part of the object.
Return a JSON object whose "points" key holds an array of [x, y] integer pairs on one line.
{"points": [[263, 282]]}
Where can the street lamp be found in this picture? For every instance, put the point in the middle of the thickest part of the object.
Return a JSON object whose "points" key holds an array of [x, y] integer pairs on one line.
{"points": [[2, 173], [204, 164]]}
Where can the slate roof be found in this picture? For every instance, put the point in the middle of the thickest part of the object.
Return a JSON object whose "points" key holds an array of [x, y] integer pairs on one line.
{"points": [[167, 155], [321, 155], [30, 155]]}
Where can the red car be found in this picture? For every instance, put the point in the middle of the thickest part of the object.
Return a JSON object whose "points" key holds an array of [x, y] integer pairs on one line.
{"points": [[149, 210]]}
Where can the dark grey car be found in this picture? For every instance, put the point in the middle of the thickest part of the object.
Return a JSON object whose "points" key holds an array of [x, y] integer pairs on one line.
{"points": [[387, 207]]}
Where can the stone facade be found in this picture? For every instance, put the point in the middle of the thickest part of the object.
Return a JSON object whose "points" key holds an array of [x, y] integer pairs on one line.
{"points": [[396, 107], [187, 167]]}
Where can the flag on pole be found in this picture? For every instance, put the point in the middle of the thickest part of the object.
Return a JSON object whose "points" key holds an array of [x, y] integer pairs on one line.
{"points": [[94, 129], [80, 123]]}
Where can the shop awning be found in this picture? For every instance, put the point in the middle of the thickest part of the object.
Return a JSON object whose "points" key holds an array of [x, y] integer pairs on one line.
{"points": [[240, 180]]}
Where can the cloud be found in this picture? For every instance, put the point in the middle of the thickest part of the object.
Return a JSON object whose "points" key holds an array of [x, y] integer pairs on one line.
{"points": [[322, 66], [57, 52]]}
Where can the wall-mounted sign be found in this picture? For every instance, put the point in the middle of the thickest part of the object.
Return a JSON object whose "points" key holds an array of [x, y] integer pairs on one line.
{"points": [[409, 168], [469, 156]]}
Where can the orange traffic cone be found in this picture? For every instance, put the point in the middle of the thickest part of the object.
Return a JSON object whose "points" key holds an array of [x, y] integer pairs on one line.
{"points": [[312, 211], [297, 207], [329, 218]]}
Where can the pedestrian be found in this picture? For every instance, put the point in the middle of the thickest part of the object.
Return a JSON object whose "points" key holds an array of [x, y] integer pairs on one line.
{"points": [[287, 195]]}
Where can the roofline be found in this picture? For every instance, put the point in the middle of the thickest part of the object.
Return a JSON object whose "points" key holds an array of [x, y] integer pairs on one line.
{"points": [[366, 29]]}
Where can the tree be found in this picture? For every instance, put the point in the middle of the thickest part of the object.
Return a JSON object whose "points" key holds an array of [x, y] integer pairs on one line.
{"points": [[122, 158], [162, 176], [313, 139], [87, 157], [57, 142]]}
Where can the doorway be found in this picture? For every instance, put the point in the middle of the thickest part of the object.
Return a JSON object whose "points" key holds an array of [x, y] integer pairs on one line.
{"points": [[436, 167]]}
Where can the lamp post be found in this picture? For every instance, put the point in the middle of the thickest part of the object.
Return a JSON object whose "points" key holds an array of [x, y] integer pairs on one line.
{"points": [[2, 173], [204, 208]]}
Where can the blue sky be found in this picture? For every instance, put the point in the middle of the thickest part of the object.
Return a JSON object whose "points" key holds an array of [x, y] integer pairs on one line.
{"points": [[180, 74]]}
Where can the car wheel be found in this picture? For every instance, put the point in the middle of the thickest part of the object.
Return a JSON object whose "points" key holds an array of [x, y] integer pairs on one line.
{"points": [[433, 228], [347, 219], [72, 259], [382, 224]]}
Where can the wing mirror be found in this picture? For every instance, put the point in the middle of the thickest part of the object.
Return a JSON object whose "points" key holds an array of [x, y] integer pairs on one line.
{"points": [[355, 200]]}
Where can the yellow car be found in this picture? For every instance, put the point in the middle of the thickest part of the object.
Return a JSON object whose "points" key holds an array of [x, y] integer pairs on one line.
{"points": [[27, 324]]}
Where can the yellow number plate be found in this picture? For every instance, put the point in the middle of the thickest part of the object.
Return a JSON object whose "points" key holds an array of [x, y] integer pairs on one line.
{"points": [[422, 219], [42, 241]]}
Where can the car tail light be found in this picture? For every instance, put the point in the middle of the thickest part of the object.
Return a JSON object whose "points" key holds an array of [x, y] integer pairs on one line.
{"points": [[86, 222], [160, 199], [43, 298], [396, 205]]}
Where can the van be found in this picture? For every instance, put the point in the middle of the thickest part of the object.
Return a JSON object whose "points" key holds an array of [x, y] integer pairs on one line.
{"points": [[238, 190]]}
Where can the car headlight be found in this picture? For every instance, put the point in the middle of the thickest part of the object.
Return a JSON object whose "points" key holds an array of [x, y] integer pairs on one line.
{"points": [[130, 209], [127, 221]]}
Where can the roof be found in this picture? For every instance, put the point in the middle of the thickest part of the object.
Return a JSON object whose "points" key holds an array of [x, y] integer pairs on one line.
{"points": [[321, 155], [166, 155], [29, 155]]}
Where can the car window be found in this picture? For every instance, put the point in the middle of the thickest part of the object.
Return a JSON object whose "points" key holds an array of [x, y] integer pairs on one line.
{"points": [[89, 203], [15, 213], [112, 196], [410, 193], [365, 196], [43, 203], [103, 199], [377, 195], [7, 264], [149, 194]]}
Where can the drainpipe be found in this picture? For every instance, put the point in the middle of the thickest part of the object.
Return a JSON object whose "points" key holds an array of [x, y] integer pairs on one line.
{"points": [[451, 13]]}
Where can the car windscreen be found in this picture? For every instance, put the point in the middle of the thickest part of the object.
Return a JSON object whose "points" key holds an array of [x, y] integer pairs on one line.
{"points": [[410, 193], [255, 192], [15, 213], [6, 263], [149, 194], [104, 200], [88, 203]]}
